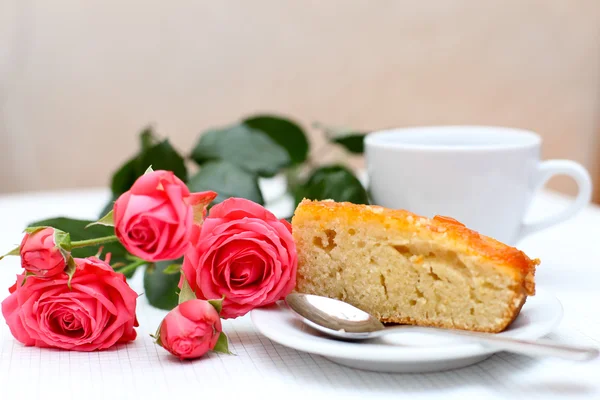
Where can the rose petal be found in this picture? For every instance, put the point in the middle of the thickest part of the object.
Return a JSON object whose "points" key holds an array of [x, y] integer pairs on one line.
{"points": [[10, 311], [177, 197], [136, 204], [151, 183], [237, 208]]}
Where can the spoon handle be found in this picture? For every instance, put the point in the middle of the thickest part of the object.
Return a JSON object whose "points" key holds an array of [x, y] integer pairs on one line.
{"points": [[534, 348]]}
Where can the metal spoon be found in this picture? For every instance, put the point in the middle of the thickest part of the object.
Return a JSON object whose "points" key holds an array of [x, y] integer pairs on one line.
{"points": [[342, 320]]}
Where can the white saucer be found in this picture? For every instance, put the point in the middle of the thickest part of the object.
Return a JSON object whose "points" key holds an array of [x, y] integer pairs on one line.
{"points": [[403, 351]]}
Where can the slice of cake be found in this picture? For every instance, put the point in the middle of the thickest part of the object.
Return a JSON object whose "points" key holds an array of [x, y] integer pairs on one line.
{"points": [[407, 269]]}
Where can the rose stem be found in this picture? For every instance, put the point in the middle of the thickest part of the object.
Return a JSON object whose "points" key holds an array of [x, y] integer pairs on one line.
{"points": [[131, 267], [93, 242]]}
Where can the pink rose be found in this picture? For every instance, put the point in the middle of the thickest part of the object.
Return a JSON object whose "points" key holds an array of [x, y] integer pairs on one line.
{"points": [[96, 313], [40, 254], [191, 329], [154, 219], [242, 252]]}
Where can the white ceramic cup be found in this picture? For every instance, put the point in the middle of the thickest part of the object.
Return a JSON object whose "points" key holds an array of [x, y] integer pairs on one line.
{"points": [[483, 176]]}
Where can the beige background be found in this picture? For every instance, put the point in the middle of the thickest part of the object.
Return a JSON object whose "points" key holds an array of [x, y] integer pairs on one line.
{"points": [[78, 79]]}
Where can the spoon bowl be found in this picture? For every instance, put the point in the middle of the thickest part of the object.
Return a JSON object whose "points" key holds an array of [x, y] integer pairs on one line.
{"points": [[334, 317]]}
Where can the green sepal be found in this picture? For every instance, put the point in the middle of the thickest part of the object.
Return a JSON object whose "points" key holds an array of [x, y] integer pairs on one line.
{"points": [[107, 220], [34, 229], [217, 304], [77, 232], [186, 292], [14, 252], [99, 253], [62, 240], [156, 336], [70, 270], [172, 269], [148, 170], [27, 274], [222, 345]]}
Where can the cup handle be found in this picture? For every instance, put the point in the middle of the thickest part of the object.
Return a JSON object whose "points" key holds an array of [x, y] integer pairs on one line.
{"points": [[545, 171]]}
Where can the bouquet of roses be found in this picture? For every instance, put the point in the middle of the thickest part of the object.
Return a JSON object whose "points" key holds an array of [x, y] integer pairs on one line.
{"points": [[238, 257]]}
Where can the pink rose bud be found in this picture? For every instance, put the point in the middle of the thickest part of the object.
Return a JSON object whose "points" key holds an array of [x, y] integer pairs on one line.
{"points": [[155, 218], [244, 253], [191, 329], [40, 254]]}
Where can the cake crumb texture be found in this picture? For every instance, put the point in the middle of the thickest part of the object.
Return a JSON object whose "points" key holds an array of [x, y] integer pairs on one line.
{"points": [[404, 268]]}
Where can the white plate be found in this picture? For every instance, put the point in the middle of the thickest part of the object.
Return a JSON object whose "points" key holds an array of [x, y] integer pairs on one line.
{"points": [[403, 351]]}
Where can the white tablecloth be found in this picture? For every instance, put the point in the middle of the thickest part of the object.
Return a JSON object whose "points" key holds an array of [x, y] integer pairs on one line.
{"points": [[570, 255]]}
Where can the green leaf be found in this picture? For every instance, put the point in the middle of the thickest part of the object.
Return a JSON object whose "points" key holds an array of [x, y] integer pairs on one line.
{"points": [[107, 220], [147, 138], [77, 231], [160, 155], [354, 143], [172, 269], [243, 146], [217, 304], [124, 178], [333, 182], [284, 132], [186, 292], [161, 289], [228, 180], [351, 139], [222, 345]]}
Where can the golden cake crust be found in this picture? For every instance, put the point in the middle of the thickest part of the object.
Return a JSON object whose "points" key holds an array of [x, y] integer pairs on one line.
{"points": [[446, 229]]}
